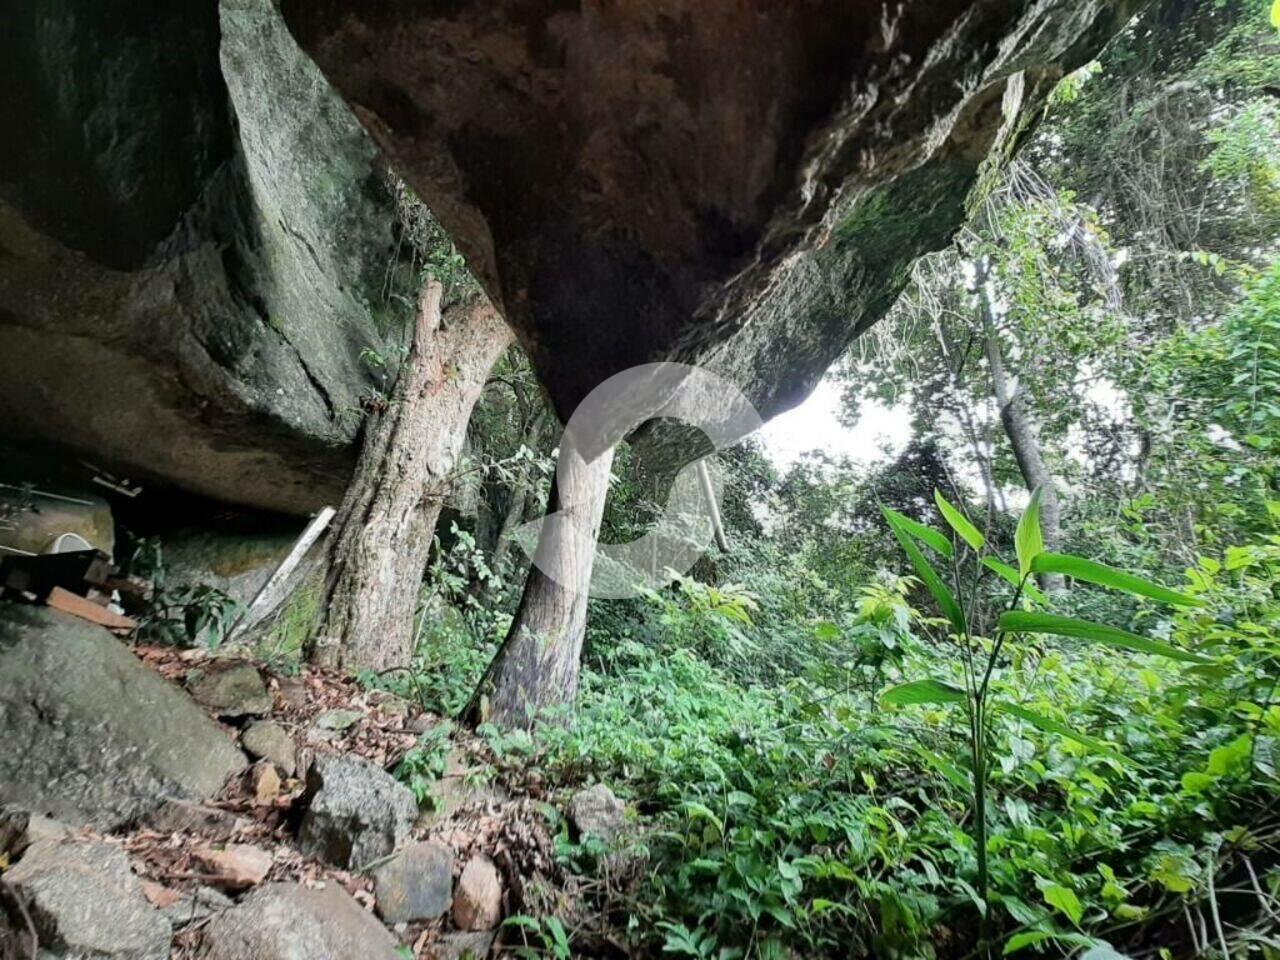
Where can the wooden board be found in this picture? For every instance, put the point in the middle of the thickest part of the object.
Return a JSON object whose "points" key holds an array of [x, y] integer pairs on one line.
{"points": [[86, 609]]}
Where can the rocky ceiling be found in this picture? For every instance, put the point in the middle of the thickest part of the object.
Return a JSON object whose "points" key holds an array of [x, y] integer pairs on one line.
{"points": [[196, 241], [734, 183]]}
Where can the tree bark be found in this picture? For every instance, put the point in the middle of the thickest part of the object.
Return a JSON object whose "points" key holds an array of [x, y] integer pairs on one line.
{"points": [[1020, 428], [382, 535], [537, 666]]}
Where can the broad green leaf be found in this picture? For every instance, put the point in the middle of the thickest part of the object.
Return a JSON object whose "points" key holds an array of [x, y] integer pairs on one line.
{"points": [[826, 630], [1006, 572], [1049, 725], [1275, 14], [1064, 899], [926, 535], [946, 602], [959, 522], [1104, 576], [1028, 540], [1193, 782], [1030, 938], [1024, 621], [922, 691]]}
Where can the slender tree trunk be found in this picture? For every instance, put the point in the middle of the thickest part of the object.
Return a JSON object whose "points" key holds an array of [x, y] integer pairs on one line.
{"points": [[538, 663], [382, 535], [1020, 428]]}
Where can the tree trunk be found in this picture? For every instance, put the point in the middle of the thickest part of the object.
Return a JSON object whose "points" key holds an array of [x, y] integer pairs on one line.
{"points": [[1025, 441], [382, 535], [537, 665]]}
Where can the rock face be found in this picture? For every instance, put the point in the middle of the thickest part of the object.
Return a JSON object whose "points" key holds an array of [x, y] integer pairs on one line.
{"points": [[596, 812], [91, 734], [230, 688], [85, 902], [415, 884], [356, 813], [193, 250], [738, 185], [269, 741], [282, 921]]}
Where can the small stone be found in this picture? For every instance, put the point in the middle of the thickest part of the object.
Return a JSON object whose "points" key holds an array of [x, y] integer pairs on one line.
{"points": [[415, 884], [182, 816], [596, 812], [86, 902], [265, 782], [230, 688], [472, 945], [286, 921], [237, 865], [356, 813], [268, 740], [477, 902], [338, 719]]}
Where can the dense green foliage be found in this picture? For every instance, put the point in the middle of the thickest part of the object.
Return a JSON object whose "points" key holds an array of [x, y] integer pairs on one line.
{"points": [[894, 719]]}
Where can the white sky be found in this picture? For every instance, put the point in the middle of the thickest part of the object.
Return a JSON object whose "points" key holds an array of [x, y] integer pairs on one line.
{"points": [[815, 425]]}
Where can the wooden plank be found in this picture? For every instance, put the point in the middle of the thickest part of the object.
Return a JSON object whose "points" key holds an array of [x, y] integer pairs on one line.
{"points": [[273, 592], [86, 609]]}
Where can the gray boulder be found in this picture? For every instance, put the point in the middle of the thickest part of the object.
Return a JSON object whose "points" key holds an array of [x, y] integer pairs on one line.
{"points": [[356, 813], [284, 921], [415, 884], [596, 812], [268, 740], [196, 905], [92, 735], [85, 902], [230, 688]]}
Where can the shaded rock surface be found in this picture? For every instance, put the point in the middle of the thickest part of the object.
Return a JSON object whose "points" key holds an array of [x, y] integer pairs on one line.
{"points": [[477, 901], [82, 739], [595, 811], [415, 884], [268, 740], [627, 192], [356, 811], [183, 816], [282, 921], [85, 902], [230, 688], [473, 945], [196, 248]]}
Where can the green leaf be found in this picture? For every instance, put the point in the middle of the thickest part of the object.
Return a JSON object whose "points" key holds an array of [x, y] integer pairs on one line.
{"points": [[1028, 540], [959, 522], [1193, 782], [926, 535], [1064, 899], [946, 602], [1104, 576], [1006, 572], [1049, 725], [922, 691], [1030, 938], [1024, 621]]}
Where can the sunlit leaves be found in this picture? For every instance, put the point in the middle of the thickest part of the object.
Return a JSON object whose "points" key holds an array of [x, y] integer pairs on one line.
{"points": [[922, 691], [959, 522], [946, 602], [1079, 568], [1023, 621], [926, 535], [1028, 540]]}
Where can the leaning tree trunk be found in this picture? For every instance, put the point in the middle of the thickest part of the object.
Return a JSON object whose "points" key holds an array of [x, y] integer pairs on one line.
{"points": [[1025, 441], [537, 665], [382, 535]]}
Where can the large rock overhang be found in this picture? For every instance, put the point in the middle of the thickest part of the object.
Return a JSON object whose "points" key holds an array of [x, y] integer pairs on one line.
{"points": [[742, 185]]}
